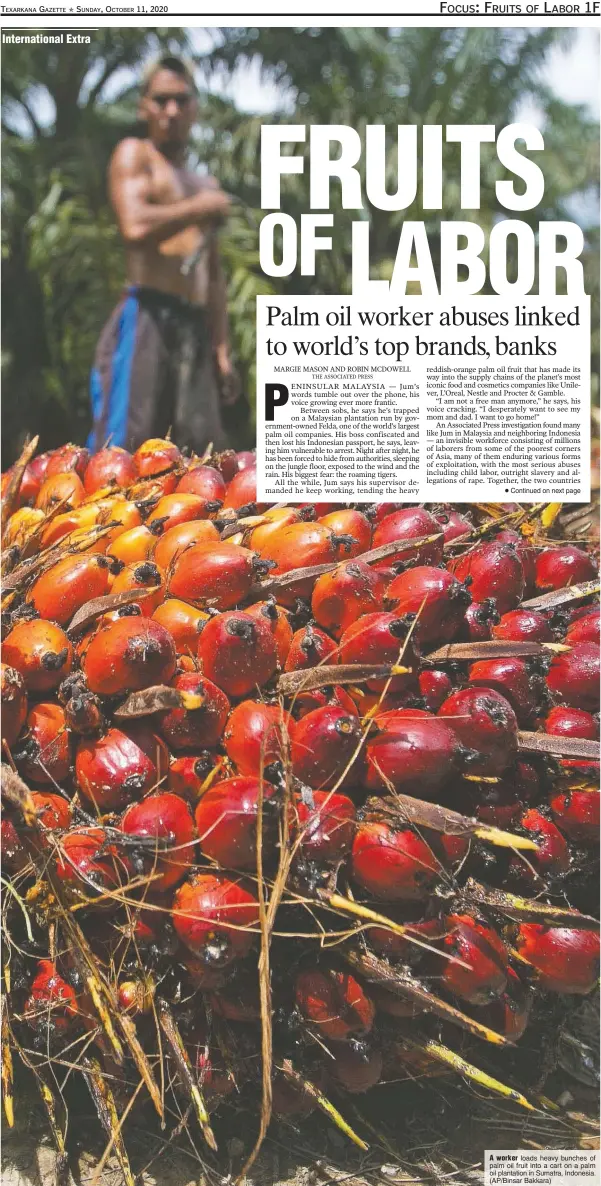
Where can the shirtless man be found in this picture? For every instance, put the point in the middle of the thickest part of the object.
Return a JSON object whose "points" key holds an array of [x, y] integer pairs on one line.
{"points": [[162, 360]]}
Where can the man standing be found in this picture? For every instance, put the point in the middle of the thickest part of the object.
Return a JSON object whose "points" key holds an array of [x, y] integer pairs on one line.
{"points": [[162, 360]]}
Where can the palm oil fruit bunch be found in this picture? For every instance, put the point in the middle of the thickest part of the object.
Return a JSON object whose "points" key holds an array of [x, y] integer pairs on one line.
{"points": [[204, 752]]}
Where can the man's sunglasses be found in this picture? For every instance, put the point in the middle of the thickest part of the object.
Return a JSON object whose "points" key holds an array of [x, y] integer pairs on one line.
{"points": [[182, 98]]}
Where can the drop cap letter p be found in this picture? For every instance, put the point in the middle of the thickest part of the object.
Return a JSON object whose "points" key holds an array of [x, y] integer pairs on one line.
{"points": [[271, 402]]}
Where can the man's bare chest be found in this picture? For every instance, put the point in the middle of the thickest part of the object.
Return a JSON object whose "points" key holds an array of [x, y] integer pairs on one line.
{"points": [[171, 184]]}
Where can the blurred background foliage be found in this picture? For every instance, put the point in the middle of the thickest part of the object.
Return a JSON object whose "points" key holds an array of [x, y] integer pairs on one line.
{"points": [[62, 261]]}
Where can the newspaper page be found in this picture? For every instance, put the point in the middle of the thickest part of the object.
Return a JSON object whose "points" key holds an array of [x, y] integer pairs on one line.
{"points": [[300, 618]]}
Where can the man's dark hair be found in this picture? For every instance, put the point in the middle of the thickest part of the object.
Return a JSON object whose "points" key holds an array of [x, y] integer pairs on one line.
{"points": [[168, 62]]}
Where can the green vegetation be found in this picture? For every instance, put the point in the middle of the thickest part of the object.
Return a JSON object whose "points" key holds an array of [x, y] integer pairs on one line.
{"points": [[62, 259]]}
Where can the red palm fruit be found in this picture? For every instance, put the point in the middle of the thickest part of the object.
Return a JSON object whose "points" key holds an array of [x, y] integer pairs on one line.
{"points": [[326, 827], [53, 813], [83, 711], [399, 947], [436, 596], [67, 459], [310, 647], [496, 571], [215, 1079], [305, 702], [195, 728], [565, 565], [188, 773], [166, 818], [202, 976], [394, 864], [300, 545], [221, 573], [41, 652], [408, 1064], [478, 945], [15, 857], [278, 620], [14, 704], [273, 520], [175, 540], [203, 481], [355, 1066], [393, 1006], [183, 622], [88, 864], [213, 915], [5, 480], [29, 487], [128, 655], [245, 459], [523, 625], [377, 511], [39, 467], [345, 522], [513, 679], [434, 687], [526, 553], [186, 663], [226, 462], [293, 1099], [155, 456], [237, 652], [80, 519], [334, 1003], [149, 490], [552, 857], [323, 744], [576, 812], [226, 821], [121, 766], [256, 735], [410, 523], [380, 638], [21, 529], [122, 512], [62, 488], [485, 723], [317, 509], [410, 748], [563, 721], [574, 676], [566, 960], [135, 996], [150, 928], [173, 509], [497, 804], [510, 1012], [571, 722], [501, 802], [585, 629], [242, 490], [141, 576], [110, 467], [341, 597], [453, 848], [453, 524], [480, 620], [47, 753], [525, 779], [64, 588], [52, 1003]]}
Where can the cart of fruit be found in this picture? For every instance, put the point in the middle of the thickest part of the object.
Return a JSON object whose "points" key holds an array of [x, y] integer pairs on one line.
{"points": [[300, 807]]}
